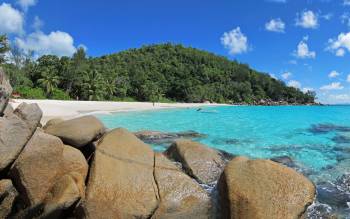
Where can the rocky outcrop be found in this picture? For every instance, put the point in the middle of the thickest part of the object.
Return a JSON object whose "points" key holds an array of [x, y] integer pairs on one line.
{"points": [[5, 91], [30, 113], [8, 194], [199, 161], [77, 132], [179, 195], [121, 182], [52, 122], [8, 110], [36, 169], [156, 137], [263, 189], [14, 134]]}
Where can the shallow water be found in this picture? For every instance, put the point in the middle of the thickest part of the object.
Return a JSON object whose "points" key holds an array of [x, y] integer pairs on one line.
{"points": [[317, 138]]}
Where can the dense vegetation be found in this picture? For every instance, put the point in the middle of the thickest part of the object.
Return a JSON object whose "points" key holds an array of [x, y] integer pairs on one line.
{"points": [[164, 72]]}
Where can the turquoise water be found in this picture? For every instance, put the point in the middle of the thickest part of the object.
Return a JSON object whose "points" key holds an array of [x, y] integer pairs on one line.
{"points": [[256, 131]]}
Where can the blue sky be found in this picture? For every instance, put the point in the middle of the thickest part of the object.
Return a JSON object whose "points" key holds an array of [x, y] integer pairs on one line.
{"points": [[305, 43]]}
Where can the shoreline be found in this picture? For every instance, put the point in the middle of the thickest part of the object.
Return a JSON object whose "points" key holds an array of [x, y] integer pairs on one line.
{"points": [[68, 109]]}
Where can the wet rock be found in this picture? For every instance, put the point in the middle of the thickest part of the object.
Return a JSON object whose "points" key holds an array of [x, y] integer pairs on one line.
{"points": [[263, 189], [180, 196], [30, 114], [159, 138], [121, 182], [199, 161], [77, 132], [320, 211], [285, 160], [14, 134], [329, 194], [8, 194], [343, 183], [326, 128], [5, 91], [61, 198], [232, 141], [36, 169]]}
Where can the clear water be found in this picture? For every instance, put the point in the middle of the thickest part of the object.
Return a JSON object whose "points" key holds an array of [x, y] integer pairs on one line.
{"points": [[257, 132]]}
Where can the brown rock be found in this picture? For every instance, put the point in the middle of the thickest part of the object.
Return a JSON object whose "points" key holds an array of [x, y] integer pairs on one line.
{"points": [[77, 132], [263, 189], [75, 165], [30, 114], [37, 167], [8, 194], [14, 134], [199, 161], [63, 196], [180, 195], [8, 110], [121, 183], [5, 91], [52, 122]]}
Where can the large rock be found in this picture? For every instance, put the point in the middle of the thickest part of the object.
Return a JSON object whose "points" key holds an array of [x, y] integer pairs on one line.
{"points": [[5, 91], [14, 134], [36, 169], [8, 110], [63, 196], [77, 132], [30, 114], [199, 161], [75, 165], [53, 121], [180, 195], [8, 194], [263, 189], [121, 182]]}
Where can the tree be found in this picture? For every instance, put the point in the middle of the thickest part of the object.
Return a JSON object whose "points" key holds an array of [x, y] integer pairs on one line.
{"points": [[93, 85], [4, 48], [49, 81]]}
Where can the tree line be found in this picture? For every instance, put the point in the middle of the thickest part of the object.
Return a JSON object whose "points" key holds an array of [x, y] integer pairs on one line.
{"points": [[164, 72]]}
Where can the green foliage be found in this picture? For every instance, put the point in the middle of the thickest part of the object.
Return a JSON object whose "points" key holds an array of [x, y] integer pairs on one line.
{"points": [[58, 94], [154, 73], [30, 93], [4, 47]]}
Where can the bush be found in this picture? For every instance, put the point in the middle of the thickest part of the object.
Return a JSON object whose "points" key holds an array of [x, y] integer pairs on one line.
{"points": [[30, 93], [58, 94]]}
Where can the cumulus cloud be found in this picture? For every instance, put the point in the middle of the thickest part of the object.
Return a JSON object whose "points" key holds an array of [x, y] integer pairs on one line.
{"points": [[286, 75], [293, 83], [38, 23], [332, 86], [307, 19], [340, 44], [25, 4], [275, 25], [11, 20], [333, 74], [56, 43], [235, 41], [348, 78], [303, 50]]}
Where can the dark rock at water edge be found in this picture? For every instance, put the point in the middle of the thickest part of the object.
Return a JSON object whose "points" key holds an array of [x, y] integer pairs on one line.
{"points": [[161, 138]]}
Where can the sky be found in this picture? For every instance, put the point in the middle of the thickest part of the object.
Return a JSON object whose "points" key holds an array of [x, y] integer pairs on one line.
{"points": [[305, 43]]}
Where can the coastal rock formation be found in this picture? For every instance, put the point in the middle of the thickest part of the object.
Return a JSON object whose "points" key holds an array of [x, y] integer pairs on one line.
{"points": [[121, 182], [14, 134], [37, 167], [8, 194], [156, 137], [8, 110], [5, 91], [180, 196], [263, 189], [30, 114], [77, 132], [52, 122], [199, 161]]}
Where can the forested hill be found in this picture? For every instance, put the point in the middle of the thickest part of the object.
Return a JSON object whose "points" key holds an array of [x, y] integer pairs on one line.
{"points": [[163, 72]]}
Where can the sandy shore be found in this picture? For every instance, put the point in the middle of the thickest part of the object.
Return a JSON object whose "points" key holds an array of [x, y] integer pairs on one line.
{"points": [[71, 109]]}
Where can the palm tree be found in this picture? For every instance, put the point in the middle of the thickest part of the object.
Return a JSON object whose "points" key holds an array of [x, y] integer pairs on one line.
{"points": [[49, 81], [94, 87]]}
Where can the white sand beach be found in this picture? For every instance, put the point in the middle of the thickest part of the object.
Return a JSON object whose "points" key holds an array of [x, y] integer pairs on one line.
{"points": [[71, 109]]}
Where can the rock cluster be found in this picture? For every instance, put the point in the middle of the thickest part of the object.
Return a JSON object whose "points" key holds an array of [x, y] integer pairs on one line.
{"points": [[45, 174]]}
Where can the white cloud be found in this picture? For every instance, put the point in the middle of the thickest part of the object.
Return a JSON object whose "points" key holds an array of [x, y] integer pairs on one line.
{"points": [[303, 51], [306, 89], [38, 23], [332, 86], [346, 2], [275, 25], [25, 4], [345, 19], [293, 83], [11, 20], [235, 41], [56, 43], [307, 19], [348, 78], [286, 75], [333, 74], [340, 98], [339, 44], [273, 76]]}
